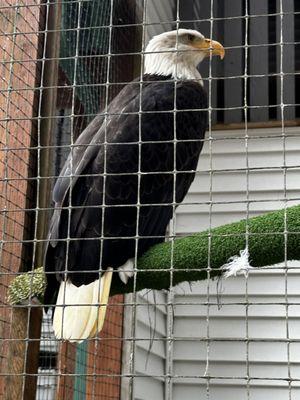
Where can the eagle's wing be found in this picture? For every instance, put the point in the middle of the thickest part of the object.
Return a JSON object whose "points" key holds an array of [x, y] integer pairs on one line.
{"points": [[80, 154], [84, 150]]}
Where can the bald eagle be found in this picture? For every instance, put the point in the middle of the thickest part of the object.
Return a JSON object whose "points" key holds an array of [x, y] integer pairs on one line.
{"points": [[125, 174]]}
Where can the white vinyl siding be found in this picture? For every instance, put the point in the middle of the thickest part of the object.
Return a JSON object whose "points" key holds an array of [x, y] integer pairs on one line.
{"points": [[254, 308], [265, 320], [149, 355], [229, 357], [229, 179]]}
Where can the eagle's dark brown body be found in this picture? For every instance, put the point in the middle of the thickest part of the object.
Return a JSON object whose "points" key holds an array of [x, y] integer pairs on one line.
{"points": [[121, 161]]}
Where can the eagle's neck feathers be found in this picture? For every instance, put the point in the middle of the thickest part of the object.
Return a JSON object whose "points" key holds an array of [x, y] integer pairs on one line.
{"points": [[178, 65]]}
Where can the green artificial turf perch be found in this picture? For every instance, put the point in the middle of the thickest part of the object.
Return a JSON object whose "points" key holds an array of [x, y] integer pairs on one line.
{"points": [[272, 238]]}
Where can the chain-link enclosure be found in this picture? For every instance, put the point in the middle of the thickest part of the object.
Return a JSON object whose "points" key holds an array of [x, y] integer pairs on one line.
{"points": [[62, 63]]}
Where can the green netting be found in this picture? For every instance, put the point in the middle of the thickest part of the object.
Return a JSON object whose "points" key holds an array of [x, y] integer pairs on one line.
{"points": [[78, 45]]}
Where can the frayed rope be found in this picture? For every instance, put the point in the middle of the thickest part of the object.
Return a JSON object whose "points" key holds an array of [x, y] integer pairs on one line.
{"points": [[237, 265]]}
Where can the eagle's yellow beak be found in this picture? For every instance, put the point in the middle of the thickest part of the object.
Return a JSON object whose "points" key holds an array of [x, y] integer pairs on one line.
{"points": [[210, 47]]}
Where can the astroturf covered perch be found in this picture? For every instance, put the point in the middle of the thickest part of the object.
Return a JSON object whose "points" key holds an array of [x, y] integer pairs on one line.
{"points": [[272, 238]]}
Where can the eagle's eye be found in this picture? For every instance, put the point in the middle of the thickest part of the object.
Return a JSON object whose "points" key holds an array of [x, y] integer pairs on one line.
{"points": [[190, 37]]}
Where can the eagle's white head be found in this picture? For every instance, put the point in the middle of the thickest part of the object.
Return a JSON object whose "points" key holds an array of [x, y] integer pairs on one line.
{"points": [[179, 52]]}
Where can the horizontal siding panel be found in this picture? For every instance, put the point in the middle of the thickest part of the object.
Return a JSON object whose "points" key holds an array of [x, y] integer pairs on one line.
{"points": [[240, 196], [149, 363], [197, 327], [238, 391], [236, 181], [275, 370], [263, 134], [230, 305], [274, 274], [153, 298], [236, 351], [197, 350], [257, 207], [241, 311], [236, 286], [148, 388], [148, 314], [143, 330], [275, 159], [193, 223], [237, 327], [230, 142], [259, 384], [155, 347]]}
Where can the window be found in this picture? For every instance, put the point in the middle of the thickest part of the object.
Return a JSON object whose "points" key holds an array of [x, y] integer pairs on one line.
{"points": [[251, 90]]}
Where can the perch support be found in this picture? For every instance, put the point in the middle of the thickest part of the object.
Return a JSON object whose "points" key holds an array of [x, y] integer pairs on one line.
{"points": [[270, 239]]}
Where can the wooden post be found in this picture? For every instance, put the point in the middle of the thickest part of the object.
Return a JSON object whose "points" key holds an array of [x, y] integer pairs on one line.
{"points": [[24, 324], [23, 319], [48, 110], [19, 43]]}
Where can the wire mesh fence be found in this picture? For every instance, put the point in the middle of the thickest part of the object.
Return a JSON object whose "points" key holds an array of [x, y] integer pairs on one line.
{"points": [[62, 63]]}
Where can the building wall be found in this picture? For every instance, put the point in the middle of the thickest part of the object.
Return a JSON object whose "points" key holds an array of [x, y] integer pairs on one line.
{"points": [[260, 308], [243, 329]]}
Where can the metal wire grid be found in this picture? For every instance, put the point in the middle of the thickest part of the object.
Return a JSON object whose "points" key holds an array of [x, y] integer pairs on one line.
{"points": [[12, 177]]}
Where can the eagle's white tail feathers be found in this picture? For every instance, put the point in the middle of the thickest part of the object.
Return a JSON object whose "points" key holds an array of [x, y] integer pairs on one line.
{"points": [[67, 310], [96, 298], [80, 311], [101, 311], [78, 315]]}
